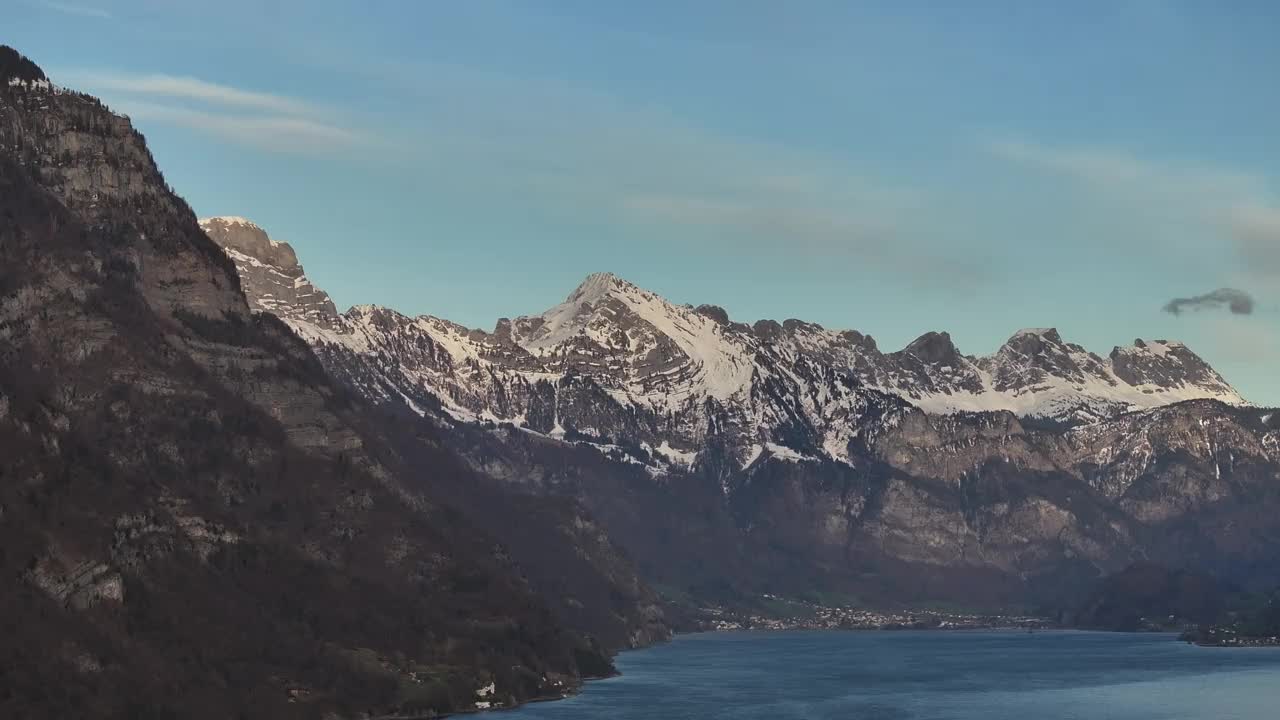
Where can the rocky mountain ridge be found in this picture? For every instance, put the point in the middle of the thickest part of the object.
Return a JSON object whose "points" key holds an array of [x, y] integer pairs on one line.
{"points": [[802, 457], [616, 361]]}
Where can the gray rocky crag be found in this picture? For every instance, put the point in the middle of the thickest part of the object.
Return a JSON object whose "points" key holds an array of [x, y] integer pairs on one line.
{"points": [[270, 274]]}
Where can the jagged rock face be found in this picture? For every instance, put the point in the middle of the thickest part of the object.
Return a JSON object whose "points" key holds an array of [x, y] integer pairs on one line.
{"points": [[1201, 439], [1037, 374], [1191, 484], [1162, 363], [99, 166], [935, 349], [272, 279], [825, 451]]}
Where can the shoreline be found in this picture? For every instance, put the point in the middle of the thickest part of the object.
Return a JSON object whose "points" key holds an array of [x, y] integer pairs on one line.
{"points": [[1045, 627], [1236, 643]]}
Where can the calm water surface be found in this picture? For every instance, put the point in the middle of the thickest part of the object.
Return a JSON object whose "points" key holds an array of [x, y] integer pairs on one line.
{"points": [[931, 676]]}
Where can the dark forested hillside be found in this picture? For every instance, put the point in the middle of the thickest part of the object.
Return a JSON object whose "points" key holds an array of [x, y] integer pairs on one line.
{"points": [[16, 66], [1147, 596], [194, 522]]}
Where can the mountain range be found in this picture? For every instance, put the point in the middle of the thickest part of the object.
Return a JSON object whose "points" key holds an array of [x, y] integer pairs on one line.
{"points": [[655, 357], [807, 457], [221, 497]]}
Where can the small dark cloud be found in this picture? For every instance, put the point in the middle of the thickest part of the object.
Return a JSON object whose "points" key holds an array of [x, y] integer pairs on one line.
{"points": [[1238, 302]]}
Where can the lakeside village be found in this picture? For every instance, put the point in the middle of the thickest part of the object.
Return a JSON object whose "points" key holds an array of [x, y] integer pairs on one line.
{"points": [[1229, 637], [789, 614]]}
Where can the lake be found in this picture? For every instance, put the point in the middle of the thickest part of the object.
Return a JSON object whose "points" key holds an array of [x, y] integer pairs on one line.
{"points": [[987, 675]]}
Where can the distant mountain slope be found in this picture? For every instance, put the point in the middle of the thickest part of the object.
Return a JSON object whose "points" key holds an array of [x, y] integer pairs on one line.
{"points": [[733, 460], [196, 521]]}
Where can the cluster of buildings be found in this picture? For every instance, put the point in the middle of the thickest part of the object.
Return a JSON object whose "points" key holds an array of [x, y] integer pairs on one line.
{"points": [[800, 615]]}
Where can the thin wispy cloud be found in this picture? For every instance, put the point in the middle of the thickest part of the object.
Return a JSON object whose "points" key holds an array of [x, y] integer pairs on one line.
{"points": [[1236, 215], [66, 8], [780, 220], [578, 150], [1256, 229], [263, 120], [188, 88], [1113, 168], [1239, 341], [274, 133], [790, 227]]}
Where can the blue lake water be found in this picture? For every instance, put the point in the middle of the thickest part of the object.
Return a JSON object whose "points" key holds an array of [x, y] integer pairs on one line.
{"points": [[930, 676]]}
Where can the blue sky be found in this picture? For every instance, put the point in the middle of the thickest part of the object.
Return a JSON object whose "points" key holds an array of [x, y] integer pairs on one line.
{"points": [[891, 167]]}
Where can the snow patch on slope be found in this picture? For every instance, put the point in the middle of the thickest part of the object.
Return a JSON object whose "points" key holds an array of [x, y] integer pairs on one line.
{"points": [[723, 367], [683, 458]]}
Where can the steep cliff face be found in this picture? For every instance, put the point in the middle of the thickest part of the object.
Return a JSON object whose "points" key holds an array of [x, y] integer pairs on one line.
{"points": [[98, 166], [803, 457], [1158, 485], [270, 273], [194, 519]]}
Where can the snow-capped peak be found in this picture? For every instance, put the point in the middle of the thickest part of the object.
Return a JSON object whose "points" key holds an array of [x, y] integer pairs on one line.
{"points": [[595, 286], [650, 342], [1159, 348]]}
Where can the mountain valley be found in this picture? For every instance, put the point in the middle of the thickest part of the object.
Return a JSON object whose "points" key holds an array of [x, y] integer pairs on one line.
{"points": [[222, 497]]}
